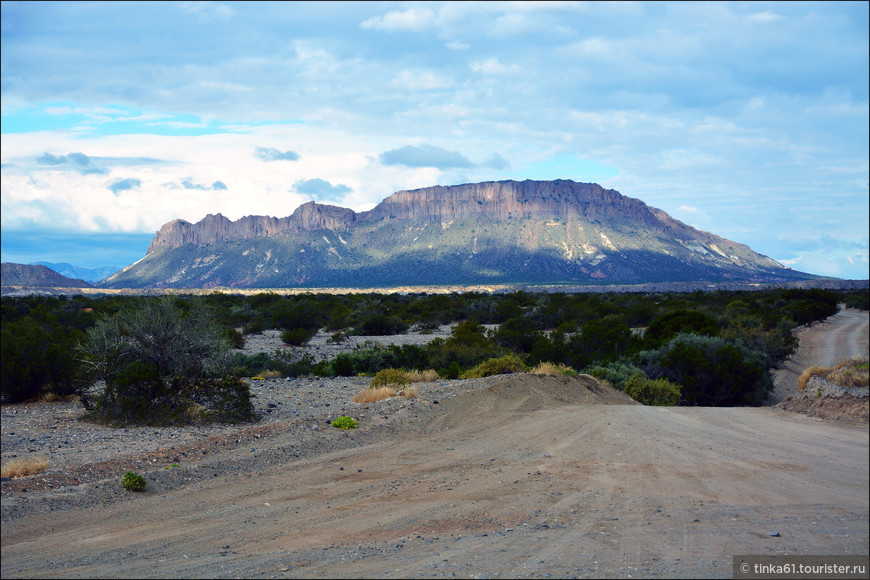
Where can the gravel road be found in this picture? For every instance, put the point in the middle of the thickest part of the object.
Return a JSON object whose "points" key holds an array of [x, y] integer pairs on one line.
{"points": [[512, 476]]}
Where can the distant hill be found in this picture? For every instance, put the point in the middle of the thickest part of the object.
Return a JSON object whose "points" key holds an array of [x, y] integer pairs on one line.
{"points": [[506, 232], [86, 274], [35, 275]]}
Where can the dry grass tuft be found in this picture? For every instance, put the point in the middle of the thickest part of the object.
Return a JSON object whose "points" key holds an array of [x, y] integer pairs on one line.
{"points": [[849, 373], [270, 375], [429, 376], [551, 369], [813, 371], [24, 466], [372, 395]]}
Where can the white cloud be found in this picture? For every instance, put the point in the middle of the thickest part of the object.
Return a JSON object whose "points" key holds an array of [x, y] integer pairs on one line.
{"points": [[766, 16], [411, 19], [492, 66]]}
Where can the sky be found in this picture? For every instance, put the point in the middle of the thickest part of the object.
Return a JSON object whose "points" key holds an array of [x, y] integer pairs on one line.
{"points": [[748, 119]]}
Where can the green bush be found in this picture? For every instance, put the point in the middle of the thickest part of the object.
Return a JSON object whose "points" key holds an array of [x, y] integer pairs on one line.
{"points": [[345, 422], [297, 336], [381, 325], [667, 326], [509, 363], [37, 356], [616, 374], [159, 361], [711, 370], [390, 377], [133, 482], [658, 392]]}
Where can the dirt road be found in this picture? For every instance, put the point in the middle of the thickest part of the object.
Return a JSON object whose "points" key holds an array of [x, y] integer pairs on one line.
{"points": [[495, 482], [844, 335]]}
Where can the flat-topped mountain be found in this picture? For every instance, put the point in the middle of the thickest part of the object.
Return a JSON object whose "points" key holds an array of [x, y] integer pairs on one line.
{"points": [[506, 232]]}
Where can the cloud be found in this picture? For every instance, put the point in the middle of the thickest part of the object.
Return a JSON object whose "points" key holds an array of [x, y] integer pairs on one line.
{"points": [[424, 156], [76, 161], [123, 185], [188, 183], [207, 11], [766, 16], [496, 161], [320, 189], [272, 154], [394, 21]]}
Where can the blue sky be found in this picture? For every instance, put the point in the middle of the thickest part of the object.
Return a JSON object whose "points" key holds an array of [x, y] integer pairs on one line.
{"points": [[749, 120]]}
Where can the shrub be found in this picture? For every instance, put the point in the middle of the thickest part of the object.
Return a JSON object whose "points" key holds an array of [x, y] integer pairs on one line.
{"points": [[158, 359], [390, 377], [297, 336], [658, 392], [428, 376], [133, 482], [711, 370], [24, 466], [345, 422], [616, 374], [509, 363], [381, 325], [667, 326], [37, 356], [235, 338]]}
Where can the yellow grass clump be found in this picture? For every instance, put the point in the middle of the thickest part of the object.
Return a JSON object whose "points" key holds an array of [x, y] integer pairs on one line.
{"points": [[849, 373], [374, 394], [24, 466], [429, 376], [552, 369]]}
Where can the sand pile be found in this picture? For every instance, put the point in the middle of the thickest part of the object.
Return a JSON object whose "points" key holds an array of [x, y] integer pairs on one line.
{"points": [[525, 393]]}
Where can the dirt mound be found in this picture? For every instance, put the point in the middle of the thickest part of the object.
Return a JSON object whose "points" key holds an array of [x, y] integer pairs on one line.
{"points": [[845, 406], [525, 393]]}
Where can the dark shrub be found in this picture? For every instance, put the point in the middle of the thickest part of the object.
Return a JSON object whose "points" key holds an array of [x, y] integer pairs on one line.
{"points": [[711, 370], [163, 365], [381, 325], [297, 336], [667, 326]]}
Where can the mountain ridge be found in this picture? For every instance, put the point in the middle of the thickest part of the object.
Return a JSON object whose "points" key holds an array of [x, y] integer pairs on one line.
{"points": [[34, 275], [527, 232]]}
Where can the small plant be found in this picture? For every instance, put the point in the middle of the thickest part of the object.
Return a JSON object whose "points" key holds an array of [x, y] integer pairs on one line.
{"points": [[345, 422], [133, 482], [509, 363], [24, 466], [372, 395], [554, 370], [658, 392], [390, 377], [428, 376]]}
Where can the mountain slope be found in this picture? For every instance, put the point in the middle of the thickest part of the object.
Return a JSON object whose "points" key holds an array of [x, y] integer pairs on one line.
{"points": [[35, 275], [508, 232], [86, 274]]}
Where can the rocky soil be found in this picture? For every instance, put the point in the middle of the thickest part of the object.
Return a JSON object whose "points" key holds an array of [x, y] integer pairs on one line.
{"points": [[510, 476]]}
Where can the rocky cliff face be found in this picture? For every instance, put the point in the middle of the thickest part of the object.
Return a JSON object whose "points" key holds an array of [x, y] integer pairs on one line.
{"points": [[504, 199], [216, 228], [506, 232]]}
